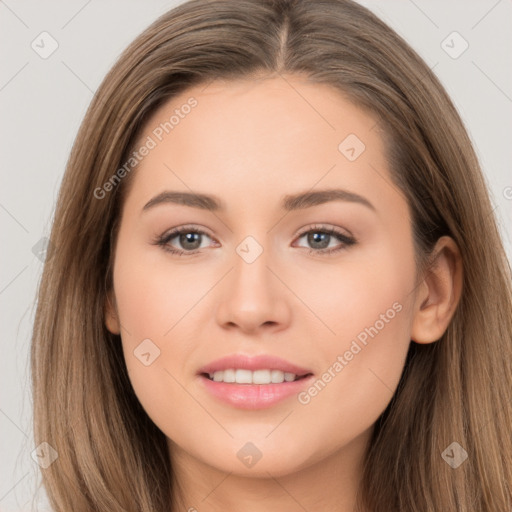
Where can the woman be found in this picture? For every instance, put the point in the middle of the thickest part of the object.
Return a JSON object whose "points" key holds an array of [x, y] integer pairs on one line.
{"points": [[339, 339]]}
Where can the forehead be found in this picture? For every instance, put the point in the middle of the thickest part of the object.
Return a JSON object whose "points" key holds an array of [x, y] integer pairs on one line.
{"points": [[258, 138]]}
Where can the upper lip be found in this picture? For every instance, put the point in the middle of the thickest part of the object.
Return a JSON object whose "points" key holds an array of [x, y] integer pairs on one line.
{"points": [[260, 362]]}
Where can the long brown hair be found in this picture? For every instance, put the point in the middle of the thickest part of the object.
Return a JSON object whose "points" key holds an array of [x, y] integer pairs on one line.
{"points": [[459, 389]]}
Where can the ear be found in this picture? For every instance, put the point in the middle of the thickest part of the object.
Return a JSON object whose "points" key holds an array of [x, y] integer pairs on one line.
{"points": [[439, 293], [111, 317]]}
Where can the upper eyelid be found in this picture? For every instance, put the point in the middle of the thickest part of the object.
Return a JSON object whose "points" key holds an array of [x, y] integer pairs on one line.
{"points": [[194, 228], [325, 227], [186, 228]]}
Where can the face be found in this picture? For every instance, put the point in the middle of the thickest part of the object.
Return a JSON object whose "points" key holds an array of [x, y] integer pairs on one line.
{"points": [[270, 277]]}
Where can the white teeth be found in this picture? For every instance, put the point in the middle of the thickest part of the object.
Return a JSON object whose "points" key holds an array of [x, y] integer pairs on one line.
{"points": [[261, 377], [278, 376], [229, 376], [243, 376], [252, 377]]}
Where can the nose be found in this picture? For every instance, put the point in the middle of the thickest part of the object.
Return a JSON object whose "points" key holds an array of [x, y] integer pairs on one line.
{"points": [[254, 298]]}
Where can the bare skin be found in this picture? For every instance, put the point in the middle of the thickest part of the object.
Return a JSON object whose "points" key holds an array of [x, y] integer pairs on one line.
{"points": [[250, 143]]}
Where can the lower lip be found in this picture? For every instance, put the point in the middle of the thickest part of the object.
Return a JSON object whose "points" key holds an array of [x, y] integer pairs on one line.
{"points": [[254, 396]]}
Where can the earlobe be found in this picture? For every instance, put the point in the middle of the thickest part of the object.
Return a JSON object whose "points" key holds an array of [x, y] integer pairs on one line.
{"points": [[439, 293], [111, 316]]}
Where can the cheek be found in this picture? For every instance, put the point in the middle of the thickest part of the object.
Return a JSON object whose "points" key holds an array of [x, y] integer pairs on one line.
{"points": [[366, 305], [353, 293], [359, 379], [153, 294], [153, 301]]}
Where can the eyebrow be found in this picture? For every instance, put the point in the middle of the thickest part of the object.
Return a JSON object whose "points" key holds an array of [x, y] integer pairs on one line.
{"points": [[299, 201]]}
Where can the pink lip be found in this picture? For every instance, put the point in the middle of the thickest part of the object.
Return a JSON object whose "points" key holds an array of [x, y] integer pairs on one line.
{"points": [[261, 362], [253, 396]]}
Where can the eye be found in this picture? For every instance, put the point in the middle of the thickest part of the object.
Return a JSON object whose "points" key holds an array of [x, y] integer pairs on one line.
{"points": [[189, 238], [320, 237]]}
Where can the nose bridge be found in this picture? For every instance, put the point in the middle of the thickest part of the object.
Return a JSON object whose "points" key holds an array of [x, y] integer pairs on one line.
{"points": [[251, 275], [252, 296]]}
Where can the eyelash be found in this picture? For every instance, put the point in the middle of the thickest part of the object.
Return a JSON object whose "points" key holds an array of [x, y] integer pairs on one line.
{"points": [[346, 241]]}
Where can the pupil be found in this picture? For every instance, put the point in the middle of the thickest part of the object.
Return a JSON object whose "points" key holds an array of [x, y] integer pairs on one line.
{"points": [[314, 238], [188, 238]]}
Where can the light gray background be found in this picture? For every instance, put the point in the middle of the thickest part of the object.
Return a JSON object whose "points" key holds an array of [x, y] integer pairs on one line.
{"points": [[42, 102]]}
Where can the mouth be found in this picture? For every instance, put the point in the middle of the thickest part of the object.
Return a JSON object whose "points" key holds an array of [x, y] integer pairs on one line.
{"points": [[255, 382], [251, 389]]}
